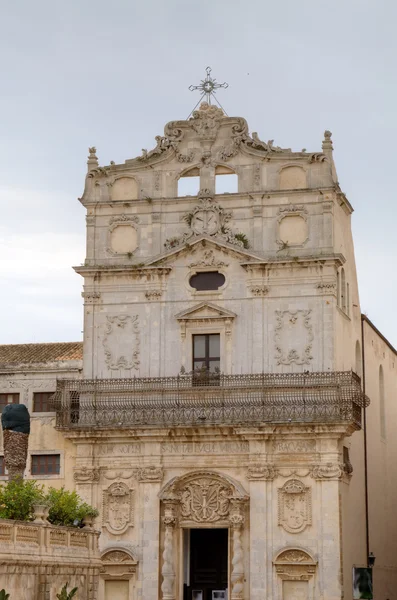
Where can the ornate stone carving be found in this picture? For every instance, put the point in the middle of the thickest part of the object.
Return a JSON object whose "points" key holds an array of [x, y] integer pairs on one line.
{"points": [[294, 506], [237, 574], [91, 297], [118, 509], [156, 217], [153, 294], [116, 556], [157, 181], [295, 564], [317, 157], [118, 564], [150, 474], [90, 220], [163, 143], [207, 217], [209, 260], [123, 219], [228, 151], [261, 471], [259, 290], [86, 475], [121, 342], [186, 158], [205, 500], [326, 288], [292, 208], [327, 471], [167, 570], [206, 121], [256, 176], [293, 337]]}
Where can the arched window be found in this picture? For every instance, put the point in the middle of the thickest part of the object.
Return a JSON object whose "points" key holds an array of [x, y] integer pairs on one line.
{"points": [[343, 289], [347, 299], [382, 413], [358, 359], [226, 181], [189, 183]]}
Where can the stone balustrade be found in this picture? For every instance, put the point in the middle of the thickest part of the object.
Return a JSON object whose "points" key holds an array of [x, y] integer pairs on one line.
{"points": [[37, 559]]}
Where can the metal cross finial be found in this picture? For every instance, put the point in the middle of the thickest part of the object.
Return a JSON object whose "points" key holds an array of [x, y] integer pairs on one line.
{"points": [[207, 88]]}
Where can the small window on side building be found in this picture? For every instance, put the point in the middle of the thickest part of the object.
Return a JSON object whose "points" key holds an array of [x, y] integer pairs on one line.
{"points": [[2, 467], [8, 399], [42, 401], [208, 280], [46, 464]]}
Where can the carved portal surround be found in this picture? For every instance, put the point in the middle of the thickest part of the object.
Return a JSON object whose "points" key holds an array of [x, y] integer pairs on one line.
{"points": [[202, 499]]}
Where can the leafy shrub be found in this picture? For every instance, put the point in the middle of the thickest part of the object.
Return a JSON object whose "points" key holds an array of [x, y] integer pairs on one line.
{"points": [[66, 507], [65, 595], [4, 595], [17, 498]]}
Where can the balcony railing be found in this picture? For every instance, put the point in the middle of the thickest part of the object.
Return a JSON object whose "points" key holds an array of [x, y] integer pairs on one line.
{"points": [[224, 400]]}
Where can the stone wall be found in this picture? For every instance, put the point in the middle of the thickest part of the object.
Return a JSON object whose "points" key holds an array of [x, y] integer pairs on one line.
{"points": [[36, 560]]}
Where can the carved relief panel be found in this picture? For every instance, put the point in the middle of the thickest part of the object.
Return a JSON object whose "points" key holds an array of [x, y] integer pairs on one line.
{"points": [[293, 337], [294, 506], [118, 508], [205, 500], [121, 342]]}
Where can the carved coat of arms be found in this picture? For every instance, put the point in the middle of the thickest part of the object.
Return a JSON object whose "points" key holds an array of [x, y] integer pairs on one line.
{"points": [[294, 506], [117, 508], [205, 500]]}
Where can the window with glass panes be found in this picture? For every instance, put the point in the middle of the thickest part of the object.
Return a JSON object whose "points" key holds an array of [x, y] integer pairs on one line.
{"points": [[41, 401], [206, 352], [2, 466], [46, 464], [8, 399]]}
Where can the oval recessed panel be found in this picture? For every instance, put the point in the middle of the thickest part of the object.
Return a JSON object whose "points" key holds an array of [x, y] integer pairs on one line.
{"points": [[207, 281], [123, 239]]}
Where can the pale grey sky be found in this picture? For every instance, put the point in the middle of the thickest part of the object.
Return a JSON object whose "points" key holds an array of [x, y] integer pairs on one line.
{"points": [[111, 74]]}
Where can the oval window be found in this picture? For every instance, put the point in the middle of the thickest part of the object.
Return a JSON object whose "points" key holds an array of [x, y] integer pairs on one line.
{"points": [[209, 280]]}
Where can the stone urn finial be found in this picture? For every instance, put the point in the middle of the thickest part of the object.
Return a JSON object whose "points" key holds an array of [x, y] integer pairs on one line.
{"points": [[15, 421]]}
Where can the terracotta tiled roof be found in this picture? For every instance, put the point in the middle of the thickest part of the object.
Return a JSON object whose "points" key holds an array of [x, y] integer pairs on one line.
{"points": [[12, 354]]}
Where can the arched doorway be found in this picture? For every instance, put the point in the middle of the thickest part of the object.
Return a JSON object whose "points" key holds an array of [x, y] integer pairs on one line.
{"points": [[215, 507]]}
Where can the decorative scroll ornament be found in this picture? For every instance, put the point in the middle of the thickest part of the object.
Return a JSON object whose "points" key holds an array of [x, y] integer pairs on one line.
{"points": [[121, 342], [205, 501], [123, 219], [259, 290], [150, 474], [327, 471], [118, 510], [260, 471], [293, 337], [294, 506], [86, 475]]}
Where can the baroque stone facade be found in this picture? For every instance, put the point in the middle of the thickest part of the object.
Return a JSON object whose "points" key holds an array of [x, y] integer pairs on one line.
{"points": [[259, 435]]}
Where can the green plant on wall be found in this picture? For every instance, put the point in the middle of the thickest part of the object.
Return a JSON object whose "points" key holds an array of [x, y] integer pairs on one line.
{"points": [[4, 595], [17, 498], [65, 595], [241, 237]]}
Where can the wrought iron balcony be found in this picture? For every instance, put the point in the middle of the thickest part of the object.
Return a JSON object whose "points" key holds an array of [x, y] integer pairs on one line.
{"points": [[186, 400]]}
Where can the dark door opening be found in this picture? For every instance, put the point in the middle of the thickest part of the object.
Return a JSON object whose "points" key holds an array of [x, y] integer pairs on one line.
{"points": [[207, 564]]}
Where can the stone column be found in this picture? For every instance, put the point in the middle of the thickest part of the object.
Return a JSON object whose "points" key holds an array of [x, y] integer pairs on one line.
{"points": [[168, 568], [150, 478], [259, 474], [237, 574]]}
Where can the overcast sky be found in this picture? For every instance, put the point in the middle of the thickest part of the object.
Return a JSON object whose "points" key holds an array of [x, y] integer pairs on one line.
{"points": [[111, 74]]}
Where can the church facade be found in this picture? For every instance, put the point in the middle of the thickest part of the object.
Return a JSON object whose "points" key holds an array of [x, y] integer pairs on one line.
{"points": [[217, 413]]}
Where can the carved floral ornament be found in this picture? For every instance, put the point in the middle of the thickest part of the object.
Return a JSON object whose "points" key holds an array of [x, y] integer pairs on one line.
{"points": [[293, 337], [121, 342]]}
